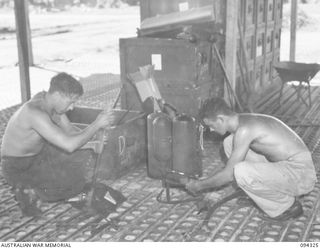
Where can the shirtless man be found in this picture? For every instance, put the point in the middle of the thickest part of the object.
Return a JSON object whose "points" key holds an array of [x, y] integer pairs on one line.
{"points": [[268, 160], [38, 151]]}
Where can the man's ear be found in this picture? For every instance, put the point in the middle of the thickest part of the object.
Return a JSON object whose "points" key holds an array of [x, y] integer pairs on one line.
{"points": [[55, 95], [221, 118], [206, 120]]}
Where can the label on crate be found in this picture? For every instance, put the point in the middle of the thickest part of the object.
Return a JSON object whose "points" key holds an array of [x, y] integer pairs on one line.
{"points": [[259, 50], [183, 6], [156, 60]]}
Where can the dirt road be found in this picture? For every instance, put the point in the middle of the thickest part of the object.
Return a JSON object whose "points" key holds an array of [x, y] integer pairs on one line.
{"points": [[68, 37]]}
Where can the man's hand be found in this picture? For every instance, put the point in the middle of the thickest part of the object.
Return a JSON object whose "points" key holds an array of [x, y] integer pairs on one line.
{"points": [[104, 119], [193, 186]]}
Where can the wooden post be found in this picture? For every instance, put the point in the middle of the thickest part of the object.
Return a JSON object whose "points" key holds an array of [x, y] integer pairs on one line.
{"points": [[231, 42], [293, 29], [22, 42], [30, 53]]}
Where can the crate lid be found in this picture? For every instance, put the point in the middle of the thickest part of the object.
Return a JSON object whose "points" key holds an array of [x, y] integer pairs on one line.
{"points": [[175, 20]]}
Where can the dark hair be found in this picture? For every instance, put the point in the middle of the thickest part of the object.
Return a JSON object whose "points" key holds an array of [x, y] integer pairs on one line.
{"points": [[66, 84], [213, 107]]}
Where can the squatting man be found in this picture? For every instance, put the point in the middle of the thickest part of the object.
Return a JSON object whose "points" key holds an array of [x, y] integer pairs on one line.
{"points": [[39, 151], [267, 159]]}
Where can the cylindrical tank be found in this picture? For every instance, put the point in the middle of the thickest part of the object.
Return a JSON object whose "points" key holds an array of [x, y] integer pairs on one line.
{"points": [[162, 138], [159, 133], [185, 143]]}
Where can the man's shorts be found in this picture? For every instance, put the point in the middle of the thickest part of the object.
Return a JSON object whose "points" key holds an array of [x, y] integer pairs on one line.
{"points": [[53, 174]]}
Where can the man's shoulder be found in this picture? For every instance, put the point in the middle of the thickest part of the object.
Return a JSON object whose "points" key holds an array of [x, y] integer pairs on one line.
{"points": [[252, 123], [34, 111], [244, 130], [253, 119], [259, 124], [32, 107]]}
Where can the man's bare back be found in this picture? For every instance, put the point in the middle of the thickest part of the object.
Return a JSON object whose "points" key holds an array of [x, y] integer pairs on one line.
{"points": [[20, 139], [271, 137]]}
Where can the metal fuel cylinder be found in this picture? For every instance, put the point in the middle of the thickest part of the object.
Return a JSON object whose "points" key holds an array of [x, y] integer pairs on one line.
{"points": [[185, 143], [162, 137], [159, 129]]}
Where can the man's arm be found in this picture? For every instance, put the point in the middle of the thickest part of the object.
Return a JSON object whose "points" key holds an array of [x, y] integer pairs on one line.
{"points": [[64, 123], [51, 132], [241, 142]]}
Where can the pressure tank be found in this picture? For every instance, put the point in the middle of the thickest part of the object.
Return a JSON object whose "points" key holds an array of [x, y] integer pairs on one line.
{"points": [[186, 157], [159, 131]]}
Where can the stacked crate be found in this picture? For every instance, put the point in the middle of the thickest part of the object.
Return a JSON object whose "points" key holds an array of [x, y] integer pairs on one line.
{"points": [[186, 71], [181, 70]]}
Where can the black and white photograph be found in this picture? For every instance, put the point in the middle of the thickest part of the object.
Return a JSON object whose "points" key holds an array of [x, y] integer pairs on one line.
{"points": [[159, 121]]}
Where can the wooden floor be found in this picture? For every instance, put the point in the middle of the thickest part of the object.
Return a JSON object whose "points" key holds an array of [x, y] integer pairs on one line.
{"points": [[142, 218]]}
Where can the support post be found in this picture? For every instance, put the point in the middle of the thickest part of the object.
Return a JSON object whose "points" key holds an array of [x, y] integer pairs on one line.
{"points": [[23, 53], [231, 42], [28, 28], [293, 29]]}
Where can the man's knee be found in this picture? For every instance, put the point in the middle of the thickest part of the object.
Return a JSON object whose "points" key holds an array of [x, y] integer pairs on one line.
{"points": [[243, 174]]}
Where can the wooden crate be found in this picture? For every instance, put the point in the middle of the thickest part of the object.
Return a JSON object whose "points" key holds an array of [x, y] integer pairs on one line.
{"points": [[160, 18], [181, 69], [125, 144]]}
